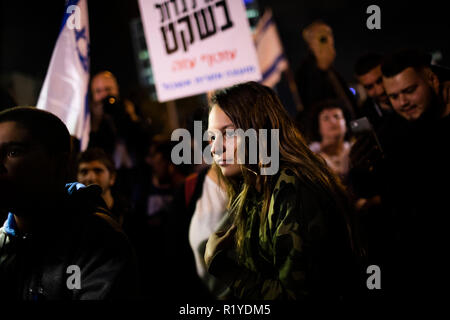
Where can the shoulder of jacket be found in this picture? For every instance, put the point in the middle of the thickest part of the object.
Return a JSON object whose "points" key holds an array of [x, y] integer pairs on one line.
{"points": [[104, 233], [286, 177], [106, 217]]}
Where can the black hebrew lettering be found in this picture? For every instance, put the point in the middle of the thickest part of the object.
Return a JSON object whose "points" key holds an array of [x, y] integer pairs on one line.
{"points": [[166, 5], [162, 12], [174, 2], [184, 6], [205, 29], [182, 28], [171, 28], [175, 5], [228, 23], [186, 20]]}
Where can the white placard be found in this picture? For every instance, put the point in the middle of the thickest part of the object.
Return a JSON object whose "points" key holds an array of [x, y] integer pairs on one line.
{"points": [[196, 46]]}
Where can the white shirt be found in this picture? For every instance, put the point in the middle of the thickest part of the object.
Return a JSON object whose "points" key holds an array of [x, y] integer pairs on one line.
{"points": [[338, 163], [209, 211]]}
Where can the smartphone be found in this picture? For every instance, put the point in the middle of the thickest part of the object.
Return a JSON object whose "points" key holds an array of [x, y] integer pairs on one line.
{"points": [[363, 126]]}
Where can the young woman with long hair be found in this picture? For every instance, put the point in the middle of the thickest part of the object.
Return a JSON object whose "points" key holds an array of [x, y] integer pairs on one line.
{"points": [[290, 235]]}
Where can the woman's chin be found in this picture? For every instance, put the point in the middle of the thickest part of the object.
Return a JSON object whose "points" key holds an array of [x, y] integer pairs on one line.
{"points": [[230, 170]]}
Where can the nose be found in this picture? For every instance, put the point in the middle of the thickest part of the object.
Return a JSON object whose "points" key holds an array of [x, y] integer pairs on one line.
{"points": [[379, 90], [402, 100], [90, 178], [103, 95], [217, 147], [2, 167], [99, 95]]}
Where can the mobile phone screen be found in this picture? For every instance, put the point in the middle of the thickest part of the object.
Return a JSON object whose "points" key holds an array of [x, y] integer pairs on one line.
{"points": [[362, 126]]}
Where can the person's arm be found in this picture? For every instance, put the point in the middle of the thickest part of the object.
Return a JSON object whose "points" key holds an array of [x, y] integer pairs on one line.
{"points": [[108, 263]]}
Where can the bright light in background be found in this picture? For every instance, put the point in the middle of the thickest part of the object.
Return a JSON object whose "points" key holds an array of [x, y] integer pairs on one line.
{"points": [[353, 91], [252, 13], [436, 56]]}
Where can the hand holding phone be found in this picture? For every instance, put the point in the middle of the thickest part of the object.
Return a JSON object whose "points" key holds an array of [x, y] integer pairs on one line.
{"points": [[361, 127], [367, 150]]}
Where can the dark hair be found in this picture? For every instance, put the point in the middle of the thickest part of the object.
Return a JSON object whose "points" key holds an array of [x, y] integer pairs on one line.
{"points": [[367, 62], [162, 146], [317, 108], [252, 105], [401, 60], [96, 154], [46, 128]]}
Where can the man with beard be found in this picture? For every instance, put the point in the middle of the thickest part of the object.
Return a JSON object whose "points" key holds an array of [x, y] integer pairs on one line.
{"points": [[413, 174], [368, 73], [58, 242]]}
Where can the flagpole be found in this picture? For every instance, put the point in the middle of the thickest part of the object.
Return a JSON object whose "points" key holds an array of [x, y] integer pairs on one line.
{"points": [[172, 115]]}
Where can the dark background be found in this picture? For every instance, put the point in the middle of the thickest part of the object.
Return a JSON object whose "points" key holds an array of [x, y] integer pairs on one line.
{"points": [[28, 32]]}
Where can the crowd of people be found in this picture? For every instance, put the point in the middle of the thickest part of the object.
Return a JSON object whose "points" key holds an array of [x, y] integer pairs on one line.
{"points": [[347, 195]]}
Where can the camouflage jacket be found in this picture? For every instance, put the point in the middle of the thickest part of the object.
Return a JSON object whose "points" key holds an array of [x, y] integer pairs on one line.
{"points": [[300, 251]]}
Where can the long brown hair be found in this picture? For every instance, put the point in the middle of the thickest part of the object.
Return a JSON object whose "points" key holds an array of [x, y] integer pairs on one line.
{"points": [[252, 105]]}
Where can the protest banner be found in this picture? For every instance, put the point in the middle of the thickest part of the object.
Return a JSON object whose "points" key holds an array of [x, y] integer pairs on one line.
{"points": [[196, 46]]}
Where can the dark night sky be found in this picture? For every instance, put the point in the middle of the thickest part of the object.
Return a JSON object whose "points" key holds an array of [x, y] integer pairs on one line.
{"points": [[28, 32], [404, 24]]}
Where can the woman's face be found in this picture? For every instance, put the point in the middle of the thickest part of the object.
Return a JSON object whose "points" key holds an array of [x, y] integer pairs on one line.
{"points": [[224, 144], [332, 123]]}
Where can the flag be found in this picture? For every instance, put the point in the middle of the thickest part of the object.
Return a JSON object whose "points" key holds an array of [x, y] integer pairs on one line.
{"points": [[65, 89], [272, 60]]}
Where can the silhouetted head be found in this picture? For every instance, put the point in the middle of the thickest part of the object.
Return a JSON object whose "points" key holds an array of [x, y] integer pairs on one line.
{"points": [[35, 146]]}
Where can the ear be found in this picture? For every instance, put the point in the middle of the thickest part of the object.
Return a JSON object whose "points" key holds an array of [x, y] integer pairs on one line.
{"points": [[60, 165], [112, 181], [307, 35], [431, 79]]}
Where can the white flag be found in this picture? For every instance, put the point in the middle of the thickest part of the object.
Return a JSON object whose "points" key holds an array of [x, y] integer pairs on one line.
{"points": [[272, 60], [65, 89]]}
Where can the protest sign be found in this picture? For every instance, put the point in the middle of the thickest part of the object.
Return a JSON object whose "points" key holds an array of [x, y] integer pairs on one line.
{"points": [[196, 46]]}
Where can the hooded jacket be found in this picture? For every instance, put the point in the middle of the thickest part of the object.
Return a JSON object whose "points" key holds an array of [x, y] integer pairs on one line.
{"points": [[76, 253]]}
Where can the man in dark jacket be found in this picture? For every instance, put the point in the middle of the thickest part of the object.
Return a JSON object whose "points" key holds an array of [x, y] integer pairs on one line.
{"points": [[412, 177], [57, 242]]}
